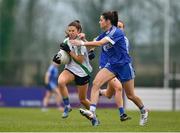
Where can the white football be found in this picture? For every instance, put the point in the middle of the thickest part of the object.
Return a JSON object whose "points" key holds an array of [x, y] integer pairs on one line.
{"points": [[63, 56]]}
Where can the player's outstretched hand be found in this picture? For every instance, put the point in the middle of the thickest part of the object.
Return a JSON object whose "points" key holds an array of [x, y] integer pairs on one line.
{"points": [[77, 42], [82, 36]]}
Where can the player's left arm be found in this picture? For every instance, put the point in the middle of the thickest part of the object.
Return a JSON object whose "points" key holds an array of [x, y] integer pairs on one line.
{"points": [[77, 57]]}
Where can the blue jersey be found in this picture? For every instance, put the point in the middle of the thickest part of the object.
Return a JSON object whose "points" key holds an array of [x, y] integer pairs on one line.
{"points": [[53, 74], [116, 51]]}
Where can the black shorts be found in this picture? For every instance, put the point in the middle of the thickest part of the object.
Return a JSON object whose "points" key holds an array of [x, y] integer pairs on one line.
{"points": [[80, 80]]}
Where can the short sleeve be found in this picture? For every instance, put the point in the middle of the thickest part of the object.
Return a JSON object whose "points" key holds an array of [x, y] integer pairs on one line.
{"points": [[66, 41], [98, 38], [114, 37]]}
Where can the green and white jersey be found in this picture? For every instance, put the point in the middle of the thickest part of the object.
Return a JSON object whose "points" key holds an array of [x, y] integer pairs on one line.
{"points": [[80, 69]]}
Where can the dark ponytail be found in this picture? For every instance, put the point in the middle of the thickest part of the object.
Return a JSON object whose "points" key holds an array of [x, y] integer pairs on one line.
{"points": [[112, 16], [115, 18]]}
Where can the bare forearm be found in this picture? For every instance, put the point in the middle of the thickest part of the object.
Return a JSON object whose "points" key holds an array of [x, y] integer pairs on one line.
{"points": [[46, 79], [78, 58], [93, 43]]}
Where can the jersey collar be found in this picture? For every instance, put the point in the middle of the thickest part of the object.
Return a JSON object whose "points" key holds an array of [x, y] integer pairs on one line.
{"points": [[108, 31]]}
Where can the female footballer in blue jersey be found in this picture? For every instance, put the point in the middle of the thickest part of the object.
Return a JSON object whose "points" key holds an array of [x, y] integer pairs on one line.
{"points": [[114, 86], [114, 83], [51, 83], [114, 50]]}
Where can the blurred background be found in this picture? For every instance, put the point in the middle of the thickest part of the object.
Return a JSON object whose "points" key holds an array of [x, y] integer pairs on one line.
{"points": [[31, 30]]}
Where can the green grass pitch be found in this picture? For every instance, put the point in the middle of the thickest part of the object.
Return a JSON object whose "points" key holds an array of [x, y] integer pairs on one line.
{"points": [[33, 120]]}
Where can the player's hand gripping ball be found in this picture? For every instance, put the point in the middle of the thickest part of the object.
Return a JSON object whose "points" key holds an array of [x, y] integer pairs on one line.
{"points": [[62, 57]]}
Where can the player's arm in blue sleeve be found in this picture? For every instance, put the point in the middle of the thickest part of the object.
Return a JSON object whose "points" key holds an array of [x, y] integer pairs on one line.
{"points": [[100, 40]]}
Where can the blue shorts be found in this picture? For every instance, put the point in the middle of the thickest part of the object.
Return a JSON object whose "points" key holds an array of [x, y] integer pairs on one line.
{"points": [[123, 72], [51, 86]]}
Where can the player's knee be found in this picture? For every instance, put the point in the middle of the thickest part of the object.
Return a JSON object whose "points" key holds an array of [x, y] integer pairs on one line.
{"points": [[61, 83], [118, 91]]}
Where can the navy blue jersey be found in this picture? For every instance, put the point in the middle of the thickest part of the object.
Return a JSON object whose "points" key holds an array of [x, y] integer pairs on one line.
{"points": [[116, 51]]}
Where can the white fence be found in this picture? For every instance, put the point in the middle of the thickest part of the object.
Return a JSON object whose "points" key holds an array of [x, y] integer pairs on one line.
{"points": [[156, 99]]}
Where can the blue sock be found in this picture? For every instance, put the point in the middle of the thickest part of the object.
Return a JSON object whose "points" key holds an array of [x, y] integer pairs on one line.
{"points": [[66, 101], [121, 111]]}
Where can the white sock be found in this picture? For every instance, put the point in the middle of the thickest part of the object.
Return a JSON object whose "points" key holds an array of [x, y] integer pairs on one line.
{"points": [[93, 108]]}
